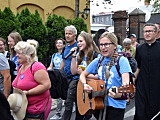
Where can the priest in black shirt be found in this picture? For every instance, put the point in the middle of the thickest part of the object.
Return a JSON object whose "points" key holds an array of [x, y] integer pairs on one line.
{"points": [[158, 31], [147, 98]]}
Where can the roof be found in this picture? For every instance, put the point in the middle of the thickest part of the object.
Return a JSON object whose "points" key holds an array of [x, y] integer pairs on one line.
{"points": [[154, 18], [96, 27], [136, 11]]}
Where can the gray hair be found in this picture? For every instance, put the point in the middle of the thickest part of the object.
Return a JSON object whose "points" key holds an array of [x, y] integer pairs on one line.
{"points": [[127, 41], [27, 49], [71, 28], [151, 24]]}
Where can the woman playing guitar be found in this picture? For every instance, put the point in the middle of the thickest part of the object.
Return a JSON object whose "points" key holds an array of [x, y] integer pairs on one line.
{"points": [[115, 107]]}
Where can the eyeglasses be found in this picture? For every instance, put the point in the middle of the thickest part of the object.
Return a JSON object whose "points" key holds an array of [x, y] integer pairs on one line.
{"points": [[59, 43], [149, 31], [105, 44]]}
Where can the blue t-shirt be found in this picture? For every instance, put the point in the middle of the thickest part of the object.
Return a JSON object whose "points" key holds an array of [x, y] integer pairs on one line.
{"points": [[67, 61], [56, 60], [84, 60], [4, 65], [114, 78], [15, 60]]}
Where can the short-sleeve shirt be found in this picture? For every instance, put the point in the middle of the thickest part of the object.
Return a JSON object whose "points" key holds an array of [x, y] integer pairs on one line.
{"points": [[15, 60], [56, 60], [26, 81], [114, 78], [4, 65], [68, 60]]}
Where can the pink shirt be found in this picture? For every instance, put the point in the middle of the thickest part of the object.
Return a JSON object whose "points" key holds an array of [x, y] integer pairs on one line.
{"points": [[26, 81]]}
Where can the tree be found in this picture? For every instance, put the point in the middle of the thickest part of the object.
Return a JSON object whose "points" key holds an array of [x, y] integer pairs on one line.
{"points": [[55, 26], [32, 27], [156, 6], [8, 22], [79, 24]]}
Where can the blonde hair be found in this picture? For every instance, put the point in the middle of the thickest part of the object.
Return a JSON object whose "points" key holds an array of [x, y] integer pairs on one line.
{"points": [[27, 49], [33, 42], [111, 36]]}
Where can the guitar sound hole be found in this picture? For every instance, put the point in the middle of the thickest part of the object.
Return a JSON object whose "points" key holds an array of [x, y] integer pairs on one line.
{"points": [[101, 86]]}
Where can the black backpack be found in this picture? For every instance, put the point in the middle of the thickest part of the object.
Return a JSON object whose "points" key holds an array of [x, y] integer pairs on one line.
{"points": [[132, 61], [12, 67], [59, 84]]}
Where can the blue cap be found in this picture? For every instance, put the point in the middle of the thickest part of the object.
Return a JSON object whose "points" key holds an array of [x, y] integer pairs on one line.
{"points": [[134, 35]]}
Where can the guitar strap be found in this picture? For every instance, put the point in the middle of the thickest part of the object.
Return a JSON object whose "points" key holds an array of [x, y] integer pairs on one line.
{"points": [[94, 94], [107, 76]]}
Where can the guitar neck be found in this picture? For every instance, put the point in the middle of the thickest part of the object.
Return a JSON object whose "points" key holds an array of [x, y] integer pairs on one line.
{"points": [[123, 89]]}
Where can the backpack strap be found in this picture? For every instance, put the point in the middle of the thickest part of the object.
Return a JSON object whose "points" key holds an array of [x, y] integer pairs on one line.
{"points": [[31, 66], [131, 75], [100, 61], [117, 65]]}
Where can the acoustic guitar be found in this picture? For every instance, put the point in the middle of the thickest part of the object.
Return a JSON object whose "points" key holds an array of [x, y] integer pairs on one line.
{"points": [[87, 103]]}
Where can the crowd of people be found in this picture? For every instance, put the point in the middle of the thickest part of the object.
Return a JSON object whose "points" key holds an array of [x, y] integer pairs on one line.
{"points": [[24, 79]]}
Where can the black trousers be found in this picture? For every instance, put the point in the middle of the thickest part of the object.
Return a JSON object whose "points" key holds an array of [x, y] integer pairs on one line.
{"points": [[111, 113], [71, 97]]}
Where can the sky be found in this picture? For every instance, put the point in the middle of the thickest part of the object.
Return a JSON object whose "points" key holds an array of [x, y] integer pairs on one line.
{"points": [[116, 5]]}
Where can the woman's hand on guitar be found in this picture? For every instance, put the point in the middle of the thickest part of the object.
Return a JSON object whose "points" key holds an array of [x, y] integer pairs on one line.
{"points": [[114, 94], [87, 88]]}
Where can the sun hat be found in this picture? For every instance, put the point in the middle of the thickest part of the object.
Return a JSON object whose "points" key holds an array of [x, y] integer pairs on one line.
{"points": [[18, 104]]}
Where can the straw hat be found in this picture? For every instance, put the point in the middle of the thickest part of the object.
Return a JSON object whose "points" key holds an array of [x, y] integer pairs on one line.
{"points": [[18, 104]]}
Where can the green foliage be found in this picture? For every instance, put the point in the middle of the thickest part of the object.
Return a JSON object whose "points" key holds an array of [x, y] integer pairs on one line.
{"points": [[156, 6], [8, 23], [55, 26], [30, 26], [33, 28], [79, 24]]}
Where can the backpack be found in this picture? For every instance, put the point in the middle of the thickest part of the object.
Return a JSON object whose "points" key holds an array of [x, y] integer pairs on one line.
{"points": [[133, 65], [59, 84], [132, 61], [12, 66]]}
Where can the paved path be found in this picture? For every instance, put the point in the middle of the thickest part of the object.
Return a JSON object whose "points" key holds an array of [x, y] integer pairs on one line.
{"points": [[130, 109]]}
